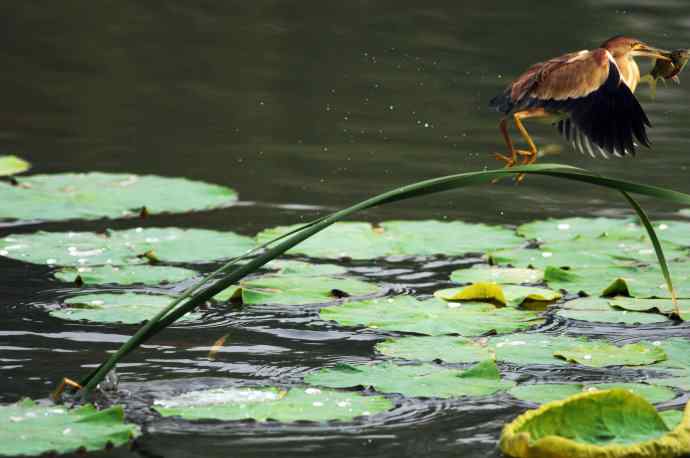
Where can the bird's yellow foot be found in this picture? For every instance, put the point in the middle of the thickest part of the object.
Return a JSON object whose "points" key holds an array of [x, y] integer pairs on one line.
{"points": [[66, 382], [510, 161]]}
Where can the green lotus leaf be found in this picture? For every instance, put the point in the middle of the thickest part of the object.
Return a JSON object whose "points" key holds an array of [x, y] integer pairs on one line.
{"points": [[592, 281], [502, 275], [287, 267], [448, 349], [587, 253], [513, 295], [645, 305], [296, 290], [547, 392], [128, 308], [428, 381], [601, 354], [430, 317], [677, 351], [124, 275], [678, 382], [553, 230], [677, 232], [522, 348], [601, 424], [262, 404], [29, 429], [358, 240], [672, 418], [133, 246], [12, 165], [102, 195], [600, 310]]}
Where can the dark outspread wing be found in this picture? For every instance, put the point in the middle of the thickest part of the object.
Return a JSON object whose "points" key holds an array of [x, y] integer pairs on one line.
{"points": [[602, 114]]}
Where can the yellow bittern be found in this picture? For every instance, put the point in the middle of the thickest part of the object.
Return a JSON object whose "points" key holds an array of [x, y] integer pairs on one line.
{"points": [[588, 95]]}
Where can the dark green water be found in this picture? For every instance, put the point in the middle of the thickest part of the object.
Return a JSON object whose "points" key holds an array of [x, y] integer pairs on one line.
{"points": [[302, 107]]}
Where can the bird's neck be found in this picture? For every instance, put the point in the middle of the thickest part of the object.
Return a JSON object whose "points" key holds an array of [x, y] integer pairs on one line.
{"points": [[630, 72]]}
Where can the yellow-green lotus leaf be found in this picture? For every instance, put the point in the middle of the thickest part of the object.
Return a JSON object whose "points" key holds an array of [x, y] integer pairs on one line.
{"points": [[513, 295], [601, 424]]}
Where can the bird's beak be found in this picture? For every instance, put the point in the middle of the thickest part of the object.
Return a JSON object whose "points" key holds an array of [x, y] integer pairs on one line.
{"points": [[643, 50]]}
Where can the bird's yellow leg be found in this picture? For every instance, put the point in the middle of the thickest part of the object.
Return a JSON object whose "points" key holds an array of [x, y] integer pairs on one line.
{"points": [[512, 160], [531, 155]]}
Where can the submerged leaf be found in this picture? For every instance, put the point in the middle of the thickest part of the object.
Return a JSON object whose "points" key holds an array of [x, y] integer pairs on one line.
{"points": [[133, 246], [29, 429], [102, 195], [428, 381], [296, 290], [12, 165], [126, 308], [431, 317], [403, 238], [263, 404], [602, 424]]}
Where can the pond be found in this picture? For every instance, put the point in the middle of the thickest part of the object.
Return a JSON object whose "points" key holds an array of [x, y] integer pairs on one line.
{"points": [[303, 108]]}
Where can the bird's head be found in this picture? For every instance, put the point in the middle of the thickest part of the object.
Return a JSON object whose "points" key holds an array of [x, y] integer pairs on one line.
{"points": [[621, 46]]}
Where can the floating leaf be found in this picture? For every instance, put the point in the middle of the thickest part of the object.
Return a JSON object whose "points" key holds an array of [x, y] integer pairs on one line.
{"points": [[124, 275], [599, 310], [296, 290], [677, 232], [126, 308], [513, 295], [428, 381], [124, 247], [547, 392], [553, 230], [602, 354], [29, 429], [419, 238], [431, 317], [502, 275], [522, 348], [262, 404], [578, 254], [672, 418], [285, 267], [602, 424], [444, 348], [102, 195], [12, 165]]}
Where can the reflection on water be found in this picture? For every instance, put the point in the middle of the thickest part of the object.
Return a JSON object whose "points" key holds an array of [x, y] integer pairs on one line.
{"points": [[302, 107]]}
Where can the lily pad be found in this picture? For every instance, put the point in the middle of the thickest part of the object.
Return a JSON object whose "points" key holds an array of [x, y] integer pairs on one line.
{"points": [[288, 267], [553, 230], [128, 308], [124, 275], [262, 404], [133, 246], [29, 429], [578, 254], [12, 165], [442, 348], [502, 275], [513, 295], [599, 353], [358, 240], [677, 232], [427, 381], [296, 290], [547, 392], [430, 317], [601, 424], [600, 310], [524, 348], [103, 195]]}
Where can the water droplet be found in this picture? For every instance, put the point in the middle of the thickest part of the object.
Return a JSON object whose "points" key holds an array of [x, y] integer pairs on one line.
{"points": [[312, 391], [317, 404], [563, 227]]}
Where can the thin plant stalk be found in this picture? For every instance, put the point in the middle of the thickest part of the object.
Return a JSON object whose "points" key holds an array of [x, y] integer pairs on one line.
{"points": [[231, 272]]}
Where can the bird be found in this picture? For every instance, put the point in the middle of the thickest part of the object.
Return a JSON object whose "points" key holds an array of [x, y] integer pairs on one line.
{"points": [[588, 95]]}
